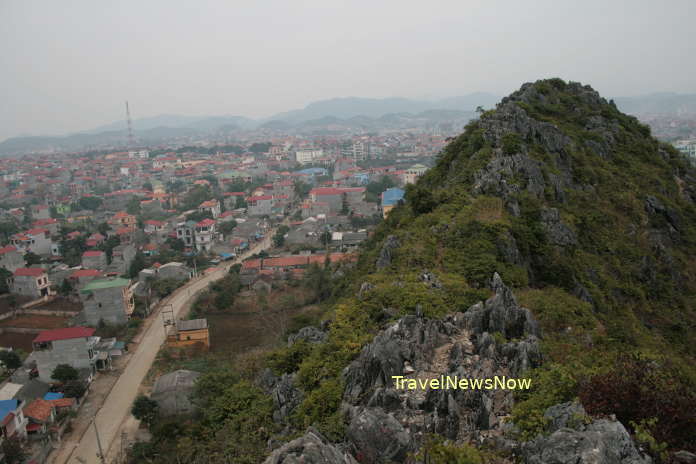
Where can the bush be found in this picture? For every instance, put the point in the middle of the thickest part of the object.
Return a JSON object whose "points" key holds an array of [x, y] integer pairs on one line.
{"points": [[145, 409], [437, 451], [287, 360], [64, 373], [648, 392]]}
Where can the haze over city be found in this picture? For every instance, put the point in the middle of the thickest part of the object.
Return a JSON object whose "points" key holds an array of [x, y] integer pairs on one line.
{"points": [[69, 66]]}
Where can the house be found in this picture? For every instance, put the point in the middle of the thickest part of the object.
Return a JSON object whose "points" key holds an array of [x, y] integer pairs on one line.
{"points": [[37, 241], [211, 206], [52, 225], [186, 232], [191, 332], [82, 276], [30, 281], [205, 234], [107, 300], [152, 226], [94, 259], [390, 198], [123, 219], [260, 205], [95, 240], [412, 174], [73, 346], [13, 422], [121, 258], [40, 414], [40, 212], [10, 258]]}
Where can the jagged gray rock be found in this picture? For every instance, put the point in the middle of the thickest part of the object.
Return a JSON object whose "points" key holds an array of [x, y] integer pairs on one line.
{"points": [[601, 442], [309, 334], [385, 254], [311, 448], [286, 397], [377, 436], [564, 415], [558, 233]]}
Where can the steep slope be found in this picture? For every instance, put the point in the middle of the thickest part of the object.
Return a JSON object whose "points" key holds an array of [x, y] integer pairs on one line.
{"points": [[589, 219], [554, 240]]}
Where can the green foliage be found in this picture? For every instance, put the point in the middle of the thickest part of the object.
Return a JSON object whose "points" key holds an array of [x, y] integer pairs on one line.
{"points": [[301, 189], [165, 287], [92, 203], [138, 264], [437, 451], [145, 409], [13, 450], [321, 409], [10, 359], [512, 143], [374, 189], [288, 359], [32, 259], [199, 216], [227, 227], [64, 373], [279, 237]]}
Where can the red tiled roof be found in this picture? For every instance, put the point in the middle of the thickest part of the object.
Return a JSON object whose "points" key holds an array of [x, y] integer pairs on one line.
{"points": [[39, 409], [91, 253], [64, 334], [7, 249], [86, 273], [205, 223], [62, 402], [29, 271]]}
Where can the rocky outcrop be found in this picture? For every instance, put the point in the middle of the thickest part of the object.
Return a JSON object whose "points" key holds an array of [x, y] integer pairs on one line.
{"points": [[311, 448], [286, 396], [308, 334], [557, 232], [572, 440], [420, 349], [385, 254]]}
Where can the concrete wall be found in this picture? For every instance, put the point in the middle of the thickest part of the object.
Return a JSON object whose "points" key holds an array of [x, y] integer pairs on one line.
{"points": [[104, 304], [73, 351], [26, 285], [12, 261]]}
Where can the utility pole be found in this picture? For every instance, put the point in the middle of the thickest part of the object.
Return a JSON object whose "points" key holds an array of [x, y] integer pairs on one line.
{"points": [[100, 455], [131, 140]]}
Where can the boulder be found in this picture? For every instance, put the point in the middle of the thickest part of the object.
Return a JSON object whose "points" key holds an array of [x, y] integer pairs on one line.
{"points": [[311, 448], [377, 437], [309, 334]]}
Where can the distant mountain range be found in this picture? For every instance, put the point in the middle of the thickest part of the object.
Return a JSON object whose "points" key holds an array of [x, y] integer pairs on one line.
{"points": [[322, 116]]}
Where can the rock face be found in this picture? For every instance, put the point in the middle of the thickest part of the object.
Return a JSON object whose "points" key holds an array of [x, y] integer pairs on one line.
{"points": [[385, 254], [308, 334], [572, 441], [286, 396], [311, 448], [388, 421]]}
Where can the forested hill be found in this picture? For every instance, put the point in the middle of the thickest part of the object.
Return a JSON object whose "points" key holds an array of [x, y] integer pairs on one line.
{"points": [[555, 240]]}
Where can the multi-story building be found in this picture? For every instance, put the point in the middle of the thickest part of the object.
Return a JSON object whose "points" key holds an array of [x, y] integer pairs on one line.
{"points": [[107, 300], [308, 156], [205, 235], [73, 346], [212, 206], [30, 281], [94, 259], [688, 148], [186, 232]]}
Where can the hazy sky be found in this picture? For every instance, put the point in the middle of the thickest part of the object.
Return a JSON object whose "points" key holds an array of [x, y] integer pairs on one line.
{"points": [[69, 65]]}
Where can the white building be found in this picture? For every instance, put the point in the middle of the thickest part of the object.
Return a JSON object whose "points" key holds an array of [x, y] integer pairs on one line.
{"points": [[308, 156], [688, 147]]}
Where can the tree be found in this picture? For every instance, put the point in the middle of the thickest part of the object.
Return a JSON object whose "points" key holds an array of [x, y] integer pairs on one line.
{"points": [[74, 389], [175, 244], [279, 237], [13, 450], [260, 147], [137, 265], [10, 359], [32, 259], [64, 373], [133, 206], [145, 409], [325, 238], [227, 227], [479, 110], [147, 186], [302, 188], [65, 287], [91, 203], [4, 275], [199, 216], [104, 228]]}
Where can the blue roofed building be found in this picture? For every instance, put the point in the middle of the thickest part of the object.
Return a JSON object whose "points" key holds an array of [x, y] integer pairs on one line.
{"points": [[390, 198]]}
